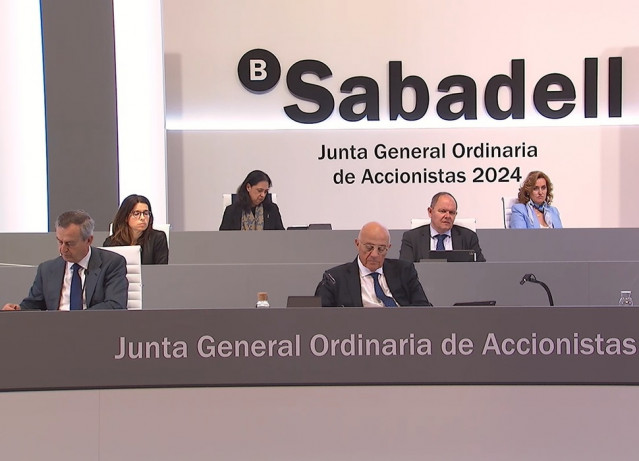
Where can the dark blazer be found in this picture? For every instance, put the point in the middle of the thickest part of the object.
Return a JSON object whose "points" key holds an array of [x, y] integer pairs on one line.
{"points": [[416, 243], [232, 219], [105, 283], [341, 286], [154, 251]]}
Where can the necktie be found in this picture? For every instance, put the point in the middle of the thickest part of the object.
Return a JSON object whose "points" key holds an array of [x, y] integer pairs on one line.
{"points": [[75, 299], [388, 302], [440, 242]]}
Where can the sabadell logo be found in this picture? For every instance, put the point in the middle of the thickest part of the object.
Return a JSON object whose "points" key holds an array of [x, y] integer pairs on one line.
{"points": [[553, 96]]}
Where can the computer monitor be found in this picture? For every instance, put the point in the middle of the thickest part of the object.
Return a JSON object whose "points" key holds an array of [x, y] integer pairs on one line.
{"points": [[304, 301], [465, 256], [320, 227], [476, 303]]}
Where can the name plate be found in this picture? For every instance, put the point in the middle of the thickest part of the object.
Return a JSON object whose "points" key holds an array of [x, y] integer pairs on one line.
{"points": [[346, 346]]}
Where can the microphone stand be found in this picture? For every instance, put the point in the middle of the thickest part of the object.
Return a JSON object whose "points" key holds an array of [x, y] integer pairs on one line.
{"points": [[533, 279]]}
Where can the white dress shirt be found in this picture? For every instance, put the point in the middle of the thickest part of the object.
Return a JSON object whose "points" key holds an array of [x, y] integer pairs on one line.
{"points": [[448, 242], [65, 295], [369, 298]]}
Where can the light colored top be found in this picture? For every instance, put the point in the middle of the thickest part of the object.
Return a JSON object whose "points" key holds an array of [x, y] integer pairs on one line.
{"points": [[523, 217]]}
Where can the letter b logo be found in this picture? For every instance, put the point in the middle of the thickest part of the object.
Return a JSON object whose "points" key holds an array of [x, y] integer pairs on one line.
{"points": [[259, 70]]}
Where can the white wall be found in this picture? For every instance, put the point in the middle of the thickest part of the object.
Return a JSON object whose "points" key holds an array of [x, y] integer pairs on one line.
{"points": [[589, 160], [218, 131], [319, 423], [140, 98], [23, 172]]}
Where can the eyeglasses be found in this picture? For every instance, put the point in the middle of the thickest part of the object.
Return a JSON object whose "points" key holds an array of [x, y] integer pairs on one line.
{"points": [[139, 214], [381, 249]]}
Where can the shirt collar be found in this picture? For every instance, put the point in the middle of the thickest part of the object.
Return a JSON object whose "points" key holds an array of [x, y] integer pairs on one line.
{"points": [[364, 271], [434, 233], [83, 263]]}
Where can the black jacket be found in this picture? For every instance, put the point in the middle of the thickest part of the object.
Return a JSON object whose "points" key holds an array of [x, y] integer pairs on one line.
{"points": [[416, 243], [232, 219], [155, 251], [341, 286]]}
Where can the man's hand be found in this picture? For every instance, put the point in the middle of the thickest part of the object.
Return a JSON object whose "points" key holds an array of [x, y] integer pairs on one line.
{"points": [[11, 307]]}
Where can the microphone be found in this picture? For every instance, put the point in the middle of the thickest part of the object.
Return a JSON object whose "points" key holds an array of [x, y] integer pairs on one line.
{"points": [[528, 278], [328, 279], [329, 282], [531, 278]]}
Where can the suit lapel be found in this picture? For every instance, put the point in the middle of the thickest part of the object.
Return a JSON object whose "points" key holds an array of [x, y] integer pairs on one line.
{"points": [[354, 285], [392, 278], [56, 276], [92, 275], [455, 235], [427, 238]]}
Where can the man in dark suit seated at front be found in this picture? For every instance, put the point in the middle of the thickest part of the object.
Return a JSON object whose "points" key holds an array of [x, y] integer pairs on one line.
{"points": [[371, 280], [440, 234], [82, 277]]}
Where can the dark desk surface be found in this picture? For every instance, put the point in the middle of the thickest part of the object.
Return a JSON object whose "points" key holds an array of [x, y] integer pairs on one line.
{"points": [[323, 246], [206, 286], [321, 346]]}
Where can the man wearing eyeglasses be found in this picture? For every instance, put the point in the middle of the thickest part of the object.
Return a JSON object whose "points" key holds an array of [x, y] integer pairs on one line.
{"points": [[82, 277], [371, 280], [440, 234]]}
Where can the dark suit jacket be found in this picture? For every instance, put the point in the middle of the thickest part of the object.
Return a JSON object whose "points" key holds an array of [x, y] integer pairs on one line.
{"points": [[154, 251], [105, 283], [340, 285], [416, 243], [232, 219]]}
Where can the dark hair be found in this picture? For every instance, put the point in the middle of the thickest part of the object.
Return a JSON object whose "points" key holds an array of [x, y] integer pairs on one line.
{"points": [[121, 230], [433, 201], [254, 177], [78, 217], [529, 183]]}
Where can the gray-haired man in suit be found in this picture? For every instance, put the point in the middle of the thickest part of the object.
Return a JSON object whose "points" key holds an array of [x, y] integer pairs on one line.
{"points": [[102, 284]]}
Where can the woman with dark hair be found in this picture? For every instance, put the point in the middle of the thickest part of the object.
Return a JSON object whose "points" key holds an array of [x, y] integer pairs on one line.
{"points": [[533, 210], [133, 225], [253, 208]]}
